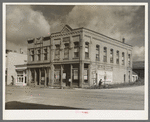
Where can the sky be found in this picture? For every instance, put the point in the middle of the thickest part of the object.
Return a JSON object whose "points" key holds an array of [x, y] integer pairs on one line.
{"points": [[30, 21]]}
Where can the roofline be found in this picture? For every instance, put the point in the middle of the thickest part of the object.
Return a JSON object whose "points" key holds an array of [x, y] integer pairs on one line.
{"points": [[107, 36], [94, 32]]}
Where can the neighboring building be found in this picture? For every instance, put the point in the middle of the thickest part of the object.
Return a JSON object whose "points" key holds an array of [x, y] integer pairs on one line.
{"points": [[134, 77], [138, 67], [78, 58], [14, 70]]}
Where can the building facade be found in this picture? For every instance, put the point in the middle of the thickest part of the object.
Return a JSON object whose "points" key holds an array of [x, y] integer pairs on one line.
{"points": [[78, 58]]}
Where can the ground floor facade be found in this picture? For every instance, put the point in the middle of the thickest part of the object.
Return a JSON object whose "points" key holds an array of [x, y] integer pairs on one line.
{"points": [[81, 74]]}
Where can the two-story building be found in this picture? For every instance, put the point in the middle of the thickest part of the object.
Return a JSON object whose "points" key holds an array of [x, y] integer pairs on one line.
{"points": [[78, 58]]}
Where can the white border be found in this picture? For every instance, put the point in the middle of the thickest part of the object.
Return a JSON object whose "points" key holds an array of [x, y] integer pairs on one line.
{"points": [[77, 114]]}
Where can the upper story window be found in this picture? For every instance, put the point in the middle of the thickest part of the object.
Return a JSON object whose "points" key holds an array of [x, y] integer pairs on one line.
{"points": [[45, 51], [105, 54], [129, 58], [39, 54], [122, 58], [32, 55], [66, 51], [117, 57], [97, 53], [57, 52], [86, 50], [111, 55], [76, 49]]}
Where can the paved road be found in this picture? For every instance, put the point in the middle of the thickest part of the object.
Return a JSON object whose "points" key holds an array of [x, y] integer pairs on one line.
{"points": [[130, 98]]}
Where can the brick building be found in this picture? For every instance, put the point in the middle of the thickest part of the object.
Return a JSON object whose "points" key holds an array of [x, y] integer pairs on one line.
{"points": [[78, 58]]}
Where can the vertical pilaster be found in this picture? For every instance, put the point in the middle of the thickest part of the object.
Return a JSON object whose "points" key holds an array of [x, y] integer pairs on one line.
{"points": [[120, 58], [52, 75], [27, 76], [81, 74], [71, 75], [89, 74], [108, 55], [82, 48], [114, 56], [61, 75], [101, 53], [49, 73], [39, 76], [35, 77], [45, 83]]}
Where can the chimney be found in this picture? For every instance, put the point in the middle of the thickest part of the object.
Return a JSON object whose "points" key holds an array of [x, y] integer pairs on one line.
{"points": [[123, 40]]}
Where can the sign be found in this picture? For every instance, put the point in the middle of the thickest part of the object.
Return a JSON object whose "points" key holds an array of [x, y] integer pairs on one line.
{"points": [[85, 77], [64, 75], [105, 76]]}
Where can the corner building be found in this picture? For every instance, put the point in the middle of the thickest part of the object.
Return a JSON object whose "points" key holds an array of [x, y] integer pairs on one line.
{"points": [[78, 58]]}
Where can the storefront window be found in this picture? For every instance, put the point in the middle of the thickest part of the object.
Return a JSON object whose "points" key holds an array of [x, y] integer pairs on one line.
{"points": [[75, 74]]}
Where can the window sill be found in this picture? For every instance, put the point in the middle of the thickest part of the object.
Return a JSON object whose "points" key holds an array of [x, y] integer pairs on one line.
{"points": [[76, 58], [66, 59]]}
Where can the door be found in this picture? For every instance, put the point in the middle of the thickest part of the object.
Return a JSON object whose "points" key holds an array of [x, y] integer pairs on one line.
{"points": [[75, 77]]}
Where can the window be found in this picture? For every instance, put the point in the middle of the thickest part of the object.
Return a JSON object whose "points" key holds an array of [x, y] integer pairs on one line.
{"points": [[76, 49], [45, 53], [86, 50], [66, 51], [117, 57], [122, 58], [111, 55], [85, 73], [39, 54], [97, 53], [32, 55], [19, 76], [129, 59], [57, 52], [105, 55]]}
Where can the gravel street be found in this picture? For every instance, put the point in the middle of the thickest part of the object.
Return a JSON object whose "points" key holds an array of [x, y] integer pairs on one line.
{"points": [[129, 98]]}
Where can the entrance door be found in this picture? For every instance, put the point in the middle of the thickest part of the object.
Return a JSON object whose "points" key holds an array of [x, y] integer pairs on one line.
{"points": [[57, 77], [75, 77]]}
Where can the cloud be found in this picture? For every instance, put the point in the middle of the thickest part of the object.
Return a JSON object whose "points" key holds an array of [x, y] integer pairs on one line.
{"points": [[22, 23], [114, 21], [138, 53]]}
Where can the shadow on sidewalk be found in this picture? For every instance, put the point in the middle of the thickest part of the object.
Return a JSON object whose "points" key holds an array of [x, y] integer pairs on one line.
{"points": [[21, 105]]}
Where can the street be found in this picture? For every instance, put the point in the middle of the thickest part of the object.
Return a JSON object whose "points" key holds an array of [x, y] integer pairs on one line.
{"points": [[129, 98]]}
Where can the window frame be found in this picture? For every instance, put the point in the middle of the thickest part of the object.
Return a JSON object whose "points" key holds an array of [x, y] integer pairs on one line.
{"points": [[86, 47], [105, 54]]}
